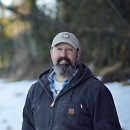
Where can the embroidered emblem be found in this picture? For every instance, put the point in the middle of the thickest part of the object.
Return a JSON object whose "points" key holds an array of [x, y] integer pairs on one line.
{"points": [[71, 111], [66, 35]]}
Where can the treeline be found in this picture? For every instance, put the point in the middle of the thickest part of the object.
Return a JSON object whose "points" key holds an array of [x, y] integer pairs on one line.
{"points": [[101, 27]]}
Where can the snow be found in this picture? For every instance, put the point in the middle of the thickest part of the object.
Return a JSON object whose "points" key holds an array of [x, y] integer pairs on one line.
{"points": [[13, 95], [121, 95], [12, 98]]}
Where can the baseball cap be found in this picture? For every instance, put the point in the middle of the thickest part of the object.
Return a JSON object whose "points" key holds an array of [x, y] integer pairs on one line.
{"points": [[67, 38]]}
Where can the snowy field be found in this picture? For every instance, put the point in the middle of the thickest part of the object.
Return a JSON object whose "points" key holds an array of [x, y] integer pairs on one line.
{"points": [[13, 94]]}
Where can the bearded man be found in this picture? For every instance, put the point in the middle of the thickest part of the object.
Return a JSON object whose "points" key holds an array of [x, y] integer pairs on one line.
{"points": [[68, 96]]}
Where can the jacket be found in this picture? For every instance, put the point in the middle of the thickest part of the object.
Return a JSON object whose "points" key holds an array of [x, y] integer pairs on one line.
{"points": [[84, 104]]}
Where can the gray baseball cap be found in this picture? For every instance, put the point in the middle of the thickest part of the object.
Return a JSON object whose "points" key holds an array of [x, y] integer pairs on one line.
{"points": [[67, 38]]}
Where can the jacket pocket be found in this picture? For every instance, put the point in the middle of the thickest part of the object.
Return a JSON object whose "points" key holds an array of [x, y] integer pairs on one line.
{"points": [[73, 113], [78, 107], [72, 104], [72, 108]]}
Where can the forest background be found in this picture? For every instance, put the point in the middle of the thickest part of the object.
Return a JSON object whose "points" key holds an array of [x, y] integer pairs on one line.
{"points": [[102, 27]]}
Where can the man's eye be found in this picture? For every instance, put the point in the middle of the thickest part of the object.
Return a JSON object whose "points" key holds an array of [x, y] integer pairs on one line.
{"points": [[69, 49], [58, 48]]}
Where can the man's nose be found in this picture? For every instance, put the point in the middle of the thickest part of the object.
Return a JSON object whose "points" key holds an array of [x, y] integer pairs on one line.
{"points": [[64, 53]]}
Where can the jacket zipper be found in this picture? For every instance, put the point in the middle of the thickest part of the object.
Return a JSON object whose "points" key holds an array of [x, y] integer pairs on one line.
{"points": [[52, 111], [52, 114], [53, 103], [48, 93]]}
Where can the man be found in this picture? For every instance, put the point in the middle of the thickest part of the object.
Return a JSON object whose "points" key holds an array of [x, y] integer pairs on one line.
{"points": [[68, 96]]}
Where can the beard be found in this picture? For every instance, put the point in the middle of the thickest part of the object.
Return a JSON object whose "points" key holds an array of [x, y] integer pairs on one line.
{"points": [[64, 69]]}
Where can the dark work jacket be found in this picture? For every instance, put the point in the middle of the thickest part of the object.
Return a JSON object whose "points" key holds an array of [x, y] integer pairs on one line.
{"points": [[84, 104]]}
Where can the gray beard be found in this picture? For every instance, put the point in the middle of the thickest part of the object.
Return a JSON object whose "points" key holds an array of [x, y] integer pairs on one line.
{"points": [[64, 70]]}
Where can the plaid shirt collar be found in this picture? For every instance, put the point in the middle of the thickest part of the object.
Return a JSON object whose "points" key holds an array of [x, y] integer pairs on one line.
{"points": [[66, 82]]}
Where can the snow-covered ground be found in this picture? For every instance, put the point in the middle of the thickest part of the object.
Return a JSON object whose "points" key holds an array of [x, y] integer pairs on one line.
{"points": [[13, 95]]}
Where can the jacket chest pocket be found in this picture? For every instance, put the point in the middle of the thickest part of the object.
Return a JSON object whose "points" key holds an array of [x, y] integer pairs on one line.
{"points": [[72, 108]]}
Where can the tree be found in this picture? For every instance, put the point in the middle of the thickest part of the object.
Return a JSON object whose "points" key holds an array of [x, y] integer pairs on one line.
{"points": [[99, 25]]}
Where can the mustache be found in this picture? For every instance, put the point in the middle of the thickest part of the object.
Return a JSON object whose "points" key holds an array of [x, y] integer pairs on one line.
{"points": [[65, 59]]}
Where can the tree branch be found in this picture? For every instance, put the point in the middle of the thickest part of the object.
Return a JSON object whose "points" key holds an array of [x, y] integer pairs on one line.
{"points": [[118, 13]]}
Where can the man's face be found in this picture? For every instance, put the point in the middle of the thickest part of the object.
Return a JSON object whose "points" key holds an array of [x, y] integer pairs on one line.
{"points": [[64, 58]]}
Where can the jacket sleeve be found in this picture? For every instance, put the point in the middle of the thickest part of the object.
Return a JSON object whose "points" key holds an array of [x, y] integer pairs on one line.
{"points": [[103, 109], [28, 120]]}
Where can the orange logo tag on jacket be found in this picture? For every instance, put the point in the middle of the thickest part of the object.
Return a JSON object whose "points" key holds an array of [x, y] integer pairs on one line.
{"points": [[71, 111]]}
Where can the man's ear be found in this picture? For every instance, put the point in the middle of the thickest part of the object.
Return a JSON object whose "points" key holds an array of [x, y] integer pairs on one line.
{"points": [[78, 55], [51, 52]]}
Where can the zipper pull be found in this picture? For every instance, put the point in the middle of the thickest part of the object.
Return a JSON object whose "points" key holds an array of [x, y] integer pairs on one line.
{"points": [[52, 104], [81, 105]]}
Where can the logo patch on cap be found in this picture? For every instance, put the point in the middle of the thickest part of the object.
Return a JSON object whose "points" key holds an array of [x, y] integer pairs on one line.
{"points": [[65, 35]]}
